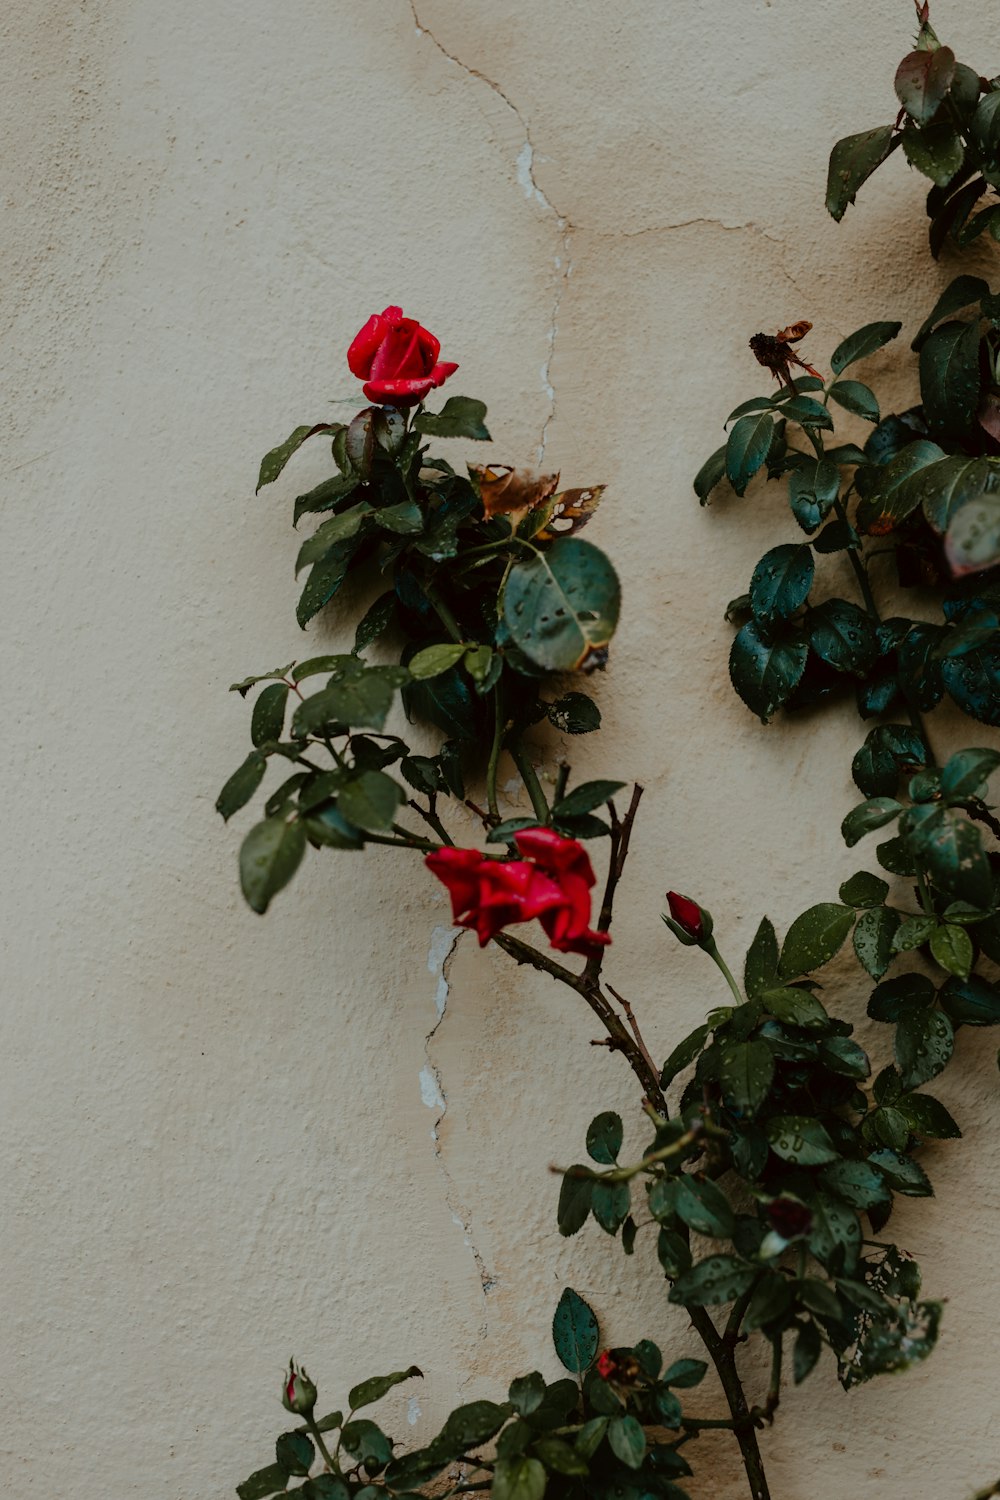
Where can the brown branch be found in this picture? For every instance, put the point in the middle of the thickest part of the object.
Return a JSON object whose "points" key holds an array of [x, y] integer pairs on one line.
{"points": [[630, 1018], [620, 1038], [621, 833]]}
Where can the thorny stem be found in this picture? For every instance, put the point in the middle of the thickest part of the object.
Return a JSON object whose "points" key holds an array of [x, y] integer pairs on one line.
{"points": [[724, 1360], [430, 817], [621, 833], [991, 1489]]}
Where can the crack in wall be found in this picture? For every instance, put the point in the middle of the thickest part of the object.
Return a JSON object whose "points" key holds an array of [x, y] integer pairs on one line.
{"points": [[441, 954], [525, 172]]}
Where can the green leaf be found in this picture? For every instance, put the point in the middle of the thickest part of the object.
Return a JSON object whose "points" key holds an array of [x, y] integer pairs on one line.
{"points": [[860, 344], [924, 1045], [241, 785], [584, 798], [719, 1278], [574, 1332], [295, 1452], [561, 606], [370, 801], [710, 474], [808, 1342], [857, 1183], [807, 412], [375, 621], [926, 1116], [404, 519], [362, 702], [574, 713], [951, 947], [684, 1373], [339, 528], [813, 486], [893, 496], [842, 635], [377, 1386], [852, 162], [460, 417], [771, 1300], [761, 964], [433, 660], [937, 151], [973, 539], [965, 774], [704, 1207], [902, 1173], [814, 938], [922, 80], [794, 1007], [604, 1138], [781, 582], [324, 580], [890, 1000], [747, 448], [873, 937], [627, 1440], [269, 1481], [835, 1239], [745, 1072], [971, 1001], [952, 848], [843, 1056], [683, 1055], [558, 1457], [673, 1253], [519, 1478], [269, 714], [765, 667], [855, 398], [248, 682], [986, 122], [526, 1393], [950, 379], [272, 852], [471, 1425], [962, 292], [874, 813], [945, 488], [799, 1139], [273, 462], [369, 1444], [864, 890], [575, 1196]]}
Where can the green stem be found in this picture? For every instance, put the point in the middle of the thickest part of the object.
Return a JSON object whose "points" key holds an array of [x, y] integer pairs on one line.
{"points": [[718, 959], [408, 841], [531, 782], [317, 1438], [493, 763], [443, 612]]}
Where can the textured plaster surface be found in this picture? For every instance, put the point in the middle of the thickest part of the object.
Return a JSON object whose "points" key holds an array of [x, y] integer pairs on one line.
{"points": [[329, 1132]]}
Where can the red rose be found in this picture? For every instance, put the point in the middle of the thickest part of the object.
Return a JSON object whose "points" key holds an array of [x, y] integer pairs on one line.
{"points": [[687, 914], [490, 894], [606, 1365], [553, 884], [567, 862], [397, 359]]}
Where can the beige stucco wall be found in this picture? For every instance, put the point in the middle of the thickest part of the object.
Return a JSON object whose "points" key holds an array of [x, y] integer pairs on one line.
{"points": [[218, 1132]]}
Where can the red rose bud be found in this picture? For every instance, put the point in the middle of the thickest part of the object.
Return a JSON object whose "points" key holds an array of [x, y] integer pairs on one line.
{"points": [[790, 1218], [606, 1365], [298, 1394], [397, 359], [688, 921]]}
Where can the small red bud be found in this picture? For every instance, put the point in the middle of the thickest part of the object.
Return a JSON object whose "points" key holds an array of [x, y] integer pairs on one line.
{"points": [[606, 1365], [687, 914], [298, 1394], [789, 1218]]}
